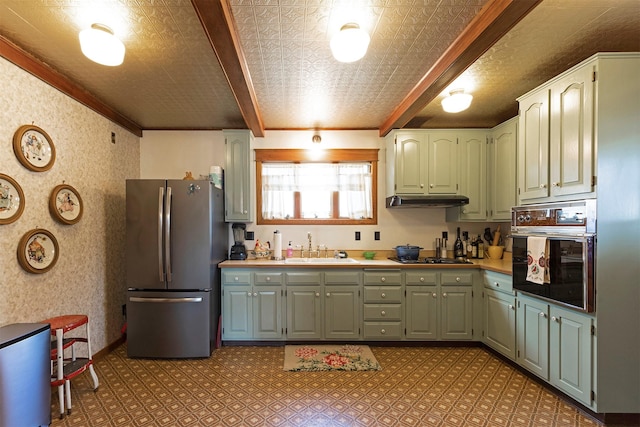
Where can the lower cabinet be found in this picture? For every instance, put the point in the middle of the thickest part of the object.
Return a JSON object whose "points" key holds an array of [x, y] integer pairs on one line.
{"points": [[304, 312], [383, 305], [557, 345], [341, 312], [500, 322]]}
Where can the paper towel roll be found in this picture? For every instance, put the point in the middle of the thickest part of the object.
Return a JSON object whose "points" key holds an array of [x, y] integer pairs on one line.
{"points": [[277, 245]]}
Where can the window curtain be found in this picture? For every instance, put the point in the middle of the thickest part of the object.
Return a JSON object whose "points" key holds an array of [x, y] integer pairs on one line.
{"points": [[353, 181]]}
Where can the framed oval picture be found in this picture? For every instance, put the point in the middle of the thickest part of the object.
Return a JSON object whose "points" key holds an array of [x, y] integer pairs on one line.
{"points": [[11, 199], [65, 204], [34, 148], [38, 251]]}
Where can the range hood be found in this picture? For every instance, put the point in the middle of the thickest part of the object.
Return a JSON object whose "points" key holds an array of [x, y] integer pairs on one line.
{"points": [[433, 201]]}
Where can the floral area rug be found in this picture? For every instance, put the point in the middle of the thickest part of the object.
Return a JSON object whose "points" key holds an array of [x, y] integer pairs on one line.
{"points": [[347, 357]]}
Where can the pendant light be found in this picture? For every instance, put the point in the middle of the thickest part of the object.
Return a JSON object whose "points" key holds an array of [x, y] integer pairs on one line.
{"points": [[350, 43], [99, 44], [456, 101]]}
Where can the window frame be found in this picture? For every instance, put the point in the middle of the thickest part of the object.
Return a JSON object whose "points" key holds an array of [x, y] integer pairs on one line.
{"points": [[348, 155]]}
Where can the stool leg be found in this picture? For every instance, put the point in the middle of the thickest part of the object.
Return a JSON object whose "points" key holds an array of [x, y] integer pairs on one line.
{"points": [[67, 385], [94, 377]]}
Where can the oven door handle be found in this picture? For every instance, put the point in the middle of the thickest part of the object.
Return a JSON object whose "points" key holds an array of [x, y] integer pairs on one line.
{"points": [[576, 237]]}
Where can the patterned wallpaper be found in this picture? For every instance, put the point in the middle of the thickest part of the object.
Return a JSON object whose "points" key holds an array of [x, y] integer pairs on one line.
{"points": [[89, 275]]}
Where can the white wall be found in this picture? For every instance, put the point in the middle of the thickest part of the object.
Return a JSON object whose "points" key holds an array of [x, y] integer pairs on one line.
{"points": [[170, 154]]}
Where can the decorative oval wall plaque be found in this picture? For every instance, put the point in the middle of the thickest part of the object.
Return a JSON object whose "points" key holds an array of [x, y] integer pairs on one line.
{"points": [[38, 251], [11, 199], [34, 148], [65, 204]]}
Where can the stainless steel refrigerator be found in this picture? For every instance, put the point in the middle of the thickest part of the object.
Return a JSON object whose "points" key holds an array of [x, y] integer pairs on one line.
{"points": [[176, 236]]}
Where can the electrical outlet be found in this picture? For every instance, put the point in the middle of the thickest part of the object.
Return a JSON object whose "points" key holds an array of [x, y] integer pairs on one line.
{"points": [[248, 235], [113, 137], [376, 235], [357, 235]]}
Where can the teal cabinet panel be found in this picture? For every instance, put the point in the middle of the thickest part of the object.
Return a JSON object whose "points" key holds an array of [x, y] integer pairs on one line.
{"points": [[421, 312], [304, 312], [237, 319], [237, 176], [499, 330], [533, 335], [341, 312], [267, 313], [456, 321]]}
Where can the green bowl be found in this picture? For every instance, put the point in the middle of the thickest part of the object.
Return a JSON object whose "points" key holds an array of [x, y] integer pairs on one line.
{"points": [[368, 255]]}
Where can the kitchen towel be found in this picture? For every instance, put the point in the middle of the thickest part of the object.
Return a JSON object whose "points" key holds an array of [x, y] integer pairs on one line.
{"points": [[537, 257]]}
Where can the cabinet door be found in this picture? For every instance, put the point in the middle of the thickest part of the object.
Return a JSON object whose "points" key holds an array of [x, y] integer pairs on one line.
{"points": [[456, 320], [533, 146], [421, 312], [341, 312], [500, 322], [442, 163], [571, 350], [267, 312], [502, 171], [237, 176], [533, 336], [304, 314], [571, 133], [237, 310], [473, 174], [410, 164]]}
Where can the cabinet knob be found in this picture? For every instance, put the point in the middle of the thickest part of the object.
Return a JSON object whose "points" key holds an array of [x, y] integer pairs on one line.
{"points": [[555, 184], [421, 185], [434, 295], [555, 319], [430, 185], [382, 331], [268, 279], [444, 295], [244, 211], [496, 284], [383, 313], [464, 211], [328, 294], [236, 278], [542, 314], [383, 279], [511, 307], [383, 295], [422, 279], [255, 294], [317, 294], [457, 279], [248, 294], [543, 185]]}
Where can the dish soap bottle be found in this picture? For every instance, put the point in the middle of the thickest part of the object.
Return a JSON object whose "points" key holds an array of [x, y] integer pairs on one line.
{"points": [[289, 250]]}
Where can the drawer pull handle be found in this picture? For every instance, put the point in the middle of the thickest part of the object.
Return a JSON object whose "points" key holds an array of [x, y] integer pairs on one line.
{"points": [[383, 279], [383, 295], [457, 279], [268, 279], [383, 313], [422, 279], [236, 278], [382, 331]]}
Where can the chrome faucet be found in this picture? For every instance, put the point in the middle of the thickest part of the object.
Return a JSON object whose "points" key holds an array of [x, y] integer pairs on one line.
{"points": [[310, 246]]}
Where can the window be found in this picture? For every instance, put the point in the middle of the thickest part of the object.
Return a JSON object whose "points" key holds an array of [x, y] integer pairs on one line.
{"points": [[317, 187]]}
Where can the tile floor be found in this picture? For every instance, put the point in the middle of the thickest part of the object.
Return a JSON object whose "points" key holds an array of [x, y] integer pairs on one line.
{"points": [[246, 386]]}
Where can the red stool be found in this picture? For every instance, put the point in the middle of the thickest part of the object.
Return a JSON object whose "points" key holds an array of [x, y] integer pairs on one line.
{"points": [[63, 370]]}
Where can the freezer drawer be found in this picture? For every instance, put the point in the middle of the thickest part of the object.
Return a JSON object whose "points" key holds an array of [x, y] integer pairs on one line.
{"points": [[163, 324]]}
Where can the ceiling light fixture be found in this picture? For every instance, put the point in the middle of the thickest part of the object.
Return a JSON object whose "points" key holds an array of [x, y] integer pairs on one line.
{"points": [[350, 43], [316, 139], [100, 45], [456, 101]]}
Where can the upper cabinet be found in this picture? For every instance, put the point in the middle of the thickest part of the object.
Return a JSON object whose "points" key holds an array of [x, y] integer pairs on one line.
{"points": [[502, 194], [237, 179], [558, 120], [425, 163]]}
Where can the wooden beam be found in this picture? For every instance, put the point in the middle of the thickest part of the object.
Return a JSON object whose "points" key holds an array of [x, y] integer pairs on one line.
{"points": [[217, 21], [494, 20], [44, 72]]}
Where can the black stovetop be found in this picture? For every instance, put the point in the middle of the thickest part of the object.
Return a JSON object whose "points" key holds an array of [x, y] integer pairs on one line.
{"points": [[430, 260]]}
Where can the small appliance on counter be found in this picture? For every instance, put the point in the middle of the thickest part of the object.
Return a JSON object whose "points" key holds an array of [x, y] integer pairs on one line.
{"points": [[238, 250]]}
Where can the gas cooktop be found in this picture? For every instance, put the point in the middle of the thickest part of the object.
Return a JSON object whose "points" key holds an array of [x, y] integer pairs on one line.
{"points": [[430, 260]]}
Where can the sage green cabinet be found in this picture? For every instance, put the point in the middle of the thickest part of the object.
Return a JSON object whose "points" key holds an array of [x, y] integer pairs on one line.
{"points": [[237, 176], [456, 305], [251, 311], [382, 305], [304, 312], [571, 353], [421, 312], [502, 178], [342, 312], [499, 330], [533, 335], [473, 174]]}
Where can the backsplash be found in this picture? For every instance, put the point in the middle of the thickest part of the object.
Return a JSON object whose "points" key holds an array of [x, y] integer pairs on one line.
{"points": [[89, 275]]}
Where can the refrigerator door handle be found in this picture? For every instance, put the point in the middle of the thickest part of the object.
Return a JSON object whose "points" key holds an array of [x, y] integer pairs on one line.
{"points": [[167, 233], [163, 300], [160, 228]]}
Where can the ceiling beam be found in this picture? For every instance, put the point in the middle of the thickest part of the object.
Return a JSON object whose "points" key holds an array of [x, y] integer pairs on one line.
{"points": [[44, 72], [217, 21], [495, 19]]}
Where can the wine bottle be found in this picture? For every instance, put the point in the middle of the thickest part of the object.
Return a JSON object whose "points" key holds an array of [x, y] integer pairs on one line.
{"points": [[458, 248]]}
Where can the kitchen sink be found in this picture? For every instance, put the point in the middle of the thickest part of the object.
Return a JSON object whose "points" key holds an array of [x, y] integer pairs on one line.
{"points": [[320, 261]]}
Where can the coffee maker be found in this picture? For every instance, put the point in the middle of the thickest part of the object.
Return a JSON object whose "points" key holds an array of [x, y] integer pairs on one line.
{"points": [[238, 250]]}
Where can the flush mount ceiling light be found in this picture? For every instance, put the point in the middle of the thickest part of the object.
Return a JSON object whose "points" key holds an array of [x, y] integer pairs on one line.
{"points": [[350, 43], [316, 139], [100, 45], [456, 101]]}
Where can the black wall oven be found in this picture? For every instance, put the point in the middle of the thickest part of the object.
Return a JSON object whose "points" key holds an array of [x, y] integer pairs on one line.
{"points": [[569, 228]]}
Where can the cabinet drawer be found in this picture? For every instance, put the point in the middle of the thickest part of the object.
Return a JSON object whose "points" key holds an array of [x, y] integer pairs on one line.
{"points": [[236, 277], [382, 294], [311, 278], [342, 277], [498, 281], [383, 277], [456, 279], [383, 330], [268, 278], [384, 312], [421, 278]]}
